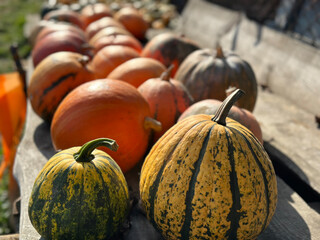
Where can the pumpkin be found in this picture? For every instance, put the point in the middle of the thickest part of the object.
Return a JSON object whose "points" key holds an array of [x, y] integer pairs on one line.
{"points": [[54, 27], [108, 31], [65, 15], [208, 177], [97, 25], [118, 39], [105, 107], [169, 48], [59, 41], [133, 21], [95, 11], [241, 115], [167, 98], [137, 70], [80, 193], [209, 73], [54, 78], [109, 57]]}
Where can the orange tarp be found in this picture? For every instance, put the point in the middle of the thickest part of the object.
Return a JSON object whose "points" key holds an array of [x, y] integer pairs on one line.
{"points": [[12, 116]]}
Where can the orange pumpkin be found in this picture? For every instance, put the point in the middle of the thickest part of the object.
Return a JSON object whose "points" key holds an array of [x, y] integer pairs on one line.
{"points": [[65, 15], [59, 41], [137, 70], [169, 48], [97, 25], [123, 40], [167, 97], [241, 115], [95, 11], [60, 26], [109, 57], [53, 78], [133, 21], [108, 31], [105, 107]]}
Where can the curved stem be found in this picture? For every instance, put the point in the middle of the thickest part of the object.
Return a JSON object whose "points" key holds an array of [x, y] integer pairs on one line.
{"points": [[152, 123], [219, 51], [85, 152], [223, 110], [167, 73]]}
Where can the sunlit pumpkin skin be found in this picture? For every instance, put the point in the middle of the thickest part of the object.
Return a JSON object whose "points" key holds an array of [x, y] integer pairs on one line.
{"points": [[59, 41], [54, 78], [133, 21], [110, 57], [97, 25], [167, 98], [50, 28], [138, 70], [118, 39], [241, 115], [205, 179], [95, 11], [65, 15], [105, 107], [209, 73], [79, 195], [169, 48], [108, 31]]}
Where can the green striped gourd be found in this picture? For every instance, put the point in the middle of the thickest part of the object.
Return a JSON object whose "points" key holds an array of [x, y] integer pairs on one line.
{"points": [[208, 177], [80, 193]]}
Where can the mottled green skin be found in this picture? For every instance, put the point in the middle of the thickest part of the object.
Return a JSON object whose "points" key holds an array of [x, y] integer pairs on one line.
{"points": [[79, 200], [203, 180]]}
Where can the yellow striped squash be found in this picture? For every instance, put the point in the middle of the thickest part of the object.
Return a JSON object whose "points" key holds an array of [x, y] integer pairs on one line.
{"points": [[80, 193], [208, 177]]}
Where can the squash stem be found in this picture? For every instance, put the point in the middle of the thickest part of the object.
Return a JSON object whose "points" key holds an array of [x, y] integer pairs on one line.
{"points": [[167, 73], [85, 152], [150, 123], [219, 52], [223, 110]]}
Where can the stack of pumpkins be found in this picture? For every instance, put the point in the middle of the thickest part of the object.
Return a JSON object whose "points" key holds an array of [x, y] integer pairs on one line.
{"points": [[99, 83]]}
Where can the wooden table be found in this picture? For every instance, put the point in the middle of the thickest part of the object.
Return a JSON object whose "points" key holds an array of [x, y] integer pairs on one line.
{"points": [[290, 132]]}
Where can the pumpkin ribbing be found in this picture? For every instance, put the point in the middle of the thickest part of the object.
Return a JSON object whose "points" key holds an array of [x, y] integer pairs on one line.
{"points": [[84, 199], [204, 180]]}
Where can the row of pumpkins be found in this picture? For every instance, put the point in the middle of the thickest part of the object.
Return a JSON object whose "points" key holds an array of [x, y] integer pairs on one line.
{"points": [[204, 176]]}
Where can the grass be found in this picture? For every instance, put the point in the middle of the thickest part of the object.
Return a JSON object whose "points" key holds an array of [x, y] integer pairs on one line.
{"points": [[12, 19]]}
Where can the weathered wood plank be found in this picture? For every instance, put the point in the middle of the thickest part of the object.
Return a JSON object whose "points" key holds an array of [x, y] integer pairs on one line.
{"points": [[290, 69]]}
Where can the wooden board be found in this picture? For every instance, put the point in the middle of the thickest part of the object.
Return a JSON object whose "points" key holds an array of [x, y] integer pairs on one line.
{"points": [[287, 68]]}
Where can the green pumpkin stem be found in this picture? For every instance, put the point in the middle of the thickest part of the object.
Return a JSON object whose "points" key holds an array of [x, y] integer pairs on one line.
{"points": [[223, 110], [167, 73], [85, 152]]}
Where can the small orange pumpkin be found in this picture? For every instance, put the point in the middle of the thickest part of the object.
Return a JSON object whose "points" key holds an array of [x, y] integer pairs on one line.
{"points": [[137, 70], [97, 25], [108, 31], [123, 40], [65, 15], [241, 115], [54, 78], [167, 97], [105, 107], [59, 41], [109, 57], [133, 21], [95, 11], [59, 26]]}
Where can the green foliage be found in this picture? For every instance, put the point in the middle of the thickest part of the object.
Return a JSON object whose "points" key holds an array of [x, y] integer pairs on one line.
{"points": [[12, 19]]}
